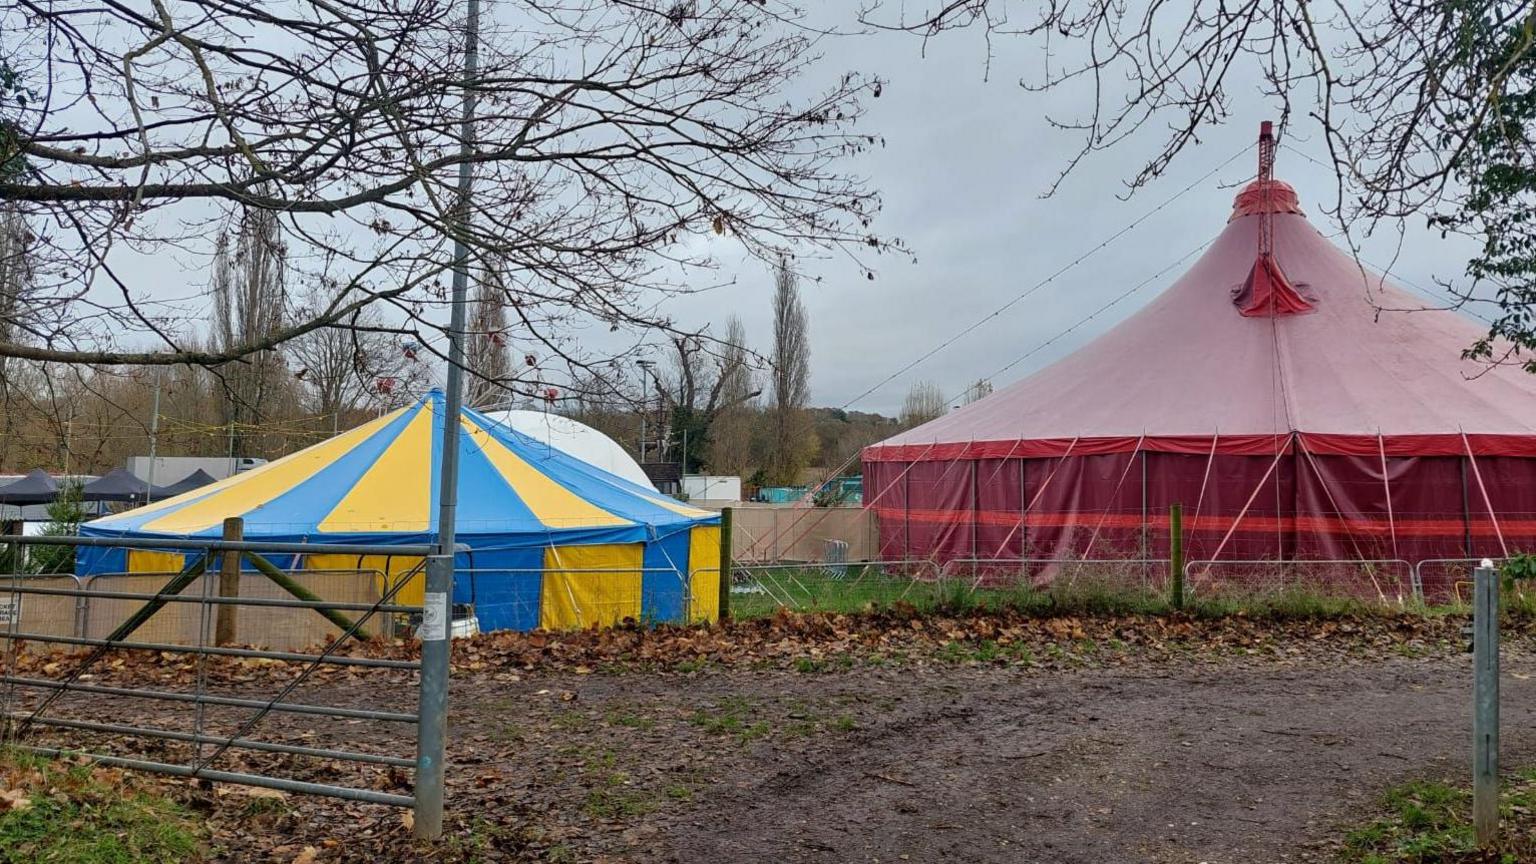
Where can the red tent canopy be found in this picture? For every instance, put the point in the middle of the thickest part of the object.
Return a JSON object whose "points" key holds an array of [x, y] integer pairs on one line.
{"points": [[1296, 404]]}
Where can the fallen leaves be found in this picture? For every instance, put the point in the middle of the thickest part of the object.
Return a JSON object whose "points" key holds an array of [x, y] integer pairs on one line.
{"points": [[14, 799]]}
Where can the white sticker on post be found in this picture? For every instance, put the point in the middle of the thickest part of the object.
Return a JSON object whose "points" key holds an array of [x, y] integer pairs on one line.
{"points": [[10, 610], [434, 617]]}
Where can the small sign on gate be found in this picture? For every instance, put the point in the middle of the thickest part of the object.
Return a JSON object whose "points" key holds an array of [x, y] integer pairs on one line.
{"points": [[10, 610]]}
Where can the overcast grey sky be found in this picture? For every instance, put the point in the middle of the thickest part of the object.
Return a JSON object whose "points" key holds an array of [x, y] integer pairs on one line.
{"points": [[966, 158], [962, 171]]}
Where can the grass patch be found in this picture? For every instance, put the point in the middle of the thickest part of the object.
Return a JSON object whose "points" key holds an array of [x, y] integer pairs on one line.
{"points": [[631, 720], [1085, 590], [614, 799], [731, 717], [63, 813], [1430, 821]]}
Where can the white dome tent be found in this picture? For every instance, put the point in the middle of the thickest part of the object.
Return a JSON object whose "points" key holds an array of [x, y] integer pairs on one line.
{"points": [[574, 439]]}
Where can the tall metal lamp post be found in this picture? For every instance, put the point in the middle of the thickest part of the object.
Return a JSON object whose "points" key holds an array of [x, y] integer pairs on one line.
{"points": [[436, 624], [645, 404]]}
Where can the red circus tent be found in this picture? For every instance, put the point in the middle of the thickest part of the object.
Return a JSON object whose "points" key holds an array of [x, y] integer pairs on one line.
{"points": [[1273, 391]]}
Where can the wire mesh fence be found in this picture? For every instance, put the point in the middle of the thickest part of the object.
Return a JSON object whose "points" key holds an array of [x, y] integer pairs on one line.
{"points": [[759, 589], [1446, 581], [1384, 581]]}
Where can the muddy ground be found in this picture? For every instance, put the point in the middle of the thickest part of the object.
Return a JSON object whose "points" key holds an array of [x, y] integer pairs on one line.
{"points": [[1125, 740], [1241, 762]]}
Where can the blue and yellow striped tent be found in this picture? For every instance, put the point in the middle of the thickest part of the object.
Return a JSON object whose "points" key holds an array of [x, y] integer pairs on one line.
{"points": [[552, 541]]}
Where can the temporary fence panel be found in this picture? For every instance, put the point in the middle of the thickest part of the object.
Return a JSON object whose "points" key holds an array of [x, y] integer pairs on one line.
{"points": [[761, 589], [1447, 580], [798, 533], [1130, 575], [1383, 581], [256, 623]]}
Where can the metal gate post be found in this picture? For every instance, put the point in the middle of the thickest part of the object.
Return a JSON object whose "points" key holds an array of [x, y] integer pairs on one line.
{"points": [[1485, 699], [432, 729]]}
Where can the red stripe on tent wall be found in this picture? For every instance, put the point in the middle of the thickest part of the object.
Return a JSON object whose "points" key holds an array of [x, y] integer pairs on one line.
{"points": [[1250, 522]]}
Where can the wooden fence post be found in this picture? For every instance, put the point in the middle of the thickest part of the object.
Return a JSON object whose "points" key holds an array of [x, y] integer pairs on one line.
{"points": [[725, 563], [1176, 554], [229, 584]]}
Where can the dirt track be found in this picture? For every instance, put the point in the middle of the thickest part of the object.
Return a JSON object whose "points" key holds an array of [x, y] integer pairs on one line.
{"points": [[1236, 762], [1092, 740]]}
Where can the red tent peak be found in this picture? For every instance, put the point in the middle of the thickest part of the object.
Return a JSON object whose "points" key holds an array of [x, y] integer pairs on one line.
{"points": [[1266, 196], [1267, 292]]}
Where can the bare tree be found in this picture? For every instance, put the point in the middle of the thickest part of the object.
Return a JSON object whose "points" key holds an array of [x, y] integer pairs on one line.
{"points": [[488, 355], [250, 302], [349, 367], [924, 402], [791, 380], [16, 276], [981, 388], [607, 134], [708, 377], [730, 433]]}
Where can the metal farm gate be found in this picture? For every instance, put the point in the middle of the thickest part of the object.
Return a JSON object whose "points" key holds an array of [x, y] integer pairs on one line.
{"points": [[227, 668]]}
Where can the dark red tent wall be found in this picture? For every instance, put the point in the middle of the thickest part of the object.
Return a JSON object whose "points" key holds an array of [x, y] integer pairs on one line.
{"points": [[1294, 505]]}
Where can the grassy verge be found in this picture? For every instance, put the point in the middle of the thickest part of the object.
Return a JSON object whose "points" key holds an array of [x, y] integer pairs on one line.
{"points": [[869, 588], [58, 812], [1427, 821]]}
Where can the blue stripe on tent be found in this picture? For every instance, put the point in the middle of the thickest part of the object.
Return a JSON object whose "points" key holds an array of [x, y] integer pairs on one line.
{"points": [[487, 502], [303, 507], [100, 559], [661, 593], [503, 584]]}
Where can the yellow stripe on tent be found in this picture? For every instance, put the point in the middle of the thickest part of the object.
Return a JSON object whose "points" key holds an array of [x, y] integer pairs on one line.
{"points": [[569, 599], [395, 493], [386, 570], [704, 573], [680, 508], [244, 492], [552, 504], [150, 561]]}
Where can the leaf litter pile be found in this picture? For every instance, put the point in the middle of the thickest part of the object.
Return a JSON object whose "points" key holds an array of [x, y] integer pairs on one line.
{"points": [[634, 743]]}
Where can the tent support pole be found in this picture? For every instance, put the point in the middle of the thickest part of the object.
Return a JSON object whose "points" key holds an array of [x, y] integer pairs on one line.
{"points": [[1144, 554], [1466, 509], [1487, 502], [1386, 486], [1176, 554]]}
